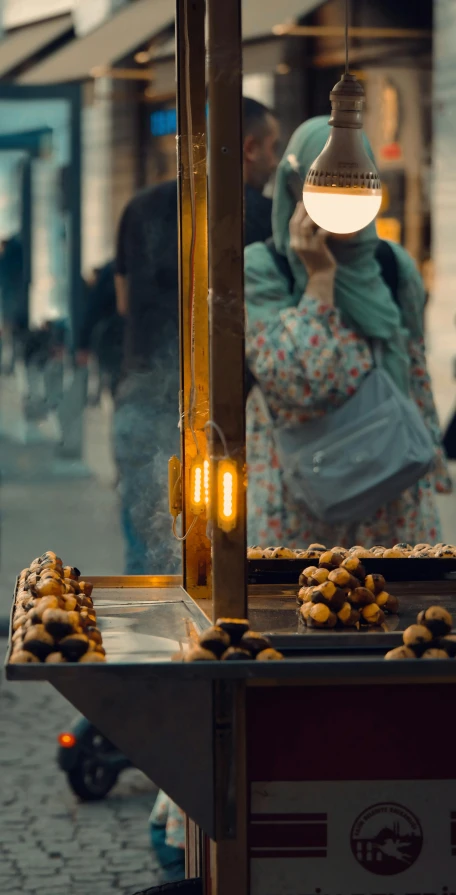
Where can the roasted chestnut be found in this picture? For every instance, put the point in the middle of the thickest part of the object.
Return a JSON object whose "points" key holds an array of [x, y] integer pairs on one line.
{"points": [[342, 551], [19, 620], [375, 583], [269, 655], [86, 588], [96, 656], [215, 639], [198, 654], [254, 643], [50, 573], [437, 619], [234, 627], [342, 578], [74, 646], [418, 638], [330, 560], [23, 657], [45, 603], [283, 553], [400, 652], [387, 602], [57, 623], [305, 575], [354, 565], [255, 553], [361, 596], [372, 614], [236, 654], [348, 616], [328, 593], [321, 616], [318, 577], [95, 635], [49, 587], [39, 642]]}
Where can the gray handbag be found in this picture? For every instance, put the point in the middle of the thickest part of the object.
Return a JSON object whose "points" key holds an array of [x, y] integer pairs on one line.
{"points": [[352, 461]]}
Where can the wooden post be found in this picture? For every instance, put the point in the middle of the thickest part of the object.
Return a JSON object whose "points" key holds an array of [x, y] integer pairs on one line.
{"points": [[193, 276], [226, 281]]}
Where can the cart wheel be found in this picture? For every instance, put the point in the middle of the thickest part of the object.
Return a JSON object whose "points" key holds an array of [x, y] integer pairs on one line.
{"points": [[91, 781]]}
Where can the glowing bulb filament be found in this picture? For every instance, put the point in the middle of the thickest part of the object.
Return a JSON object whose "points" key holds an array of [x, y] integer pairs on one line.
{"points": [[207, 482], [197, 501], [197, 485], [227, 495]]}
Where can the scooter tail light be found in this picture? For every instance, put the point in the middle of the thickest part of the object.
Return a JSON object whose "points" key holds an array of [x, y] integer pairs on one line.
{"points": [[67, 740]]}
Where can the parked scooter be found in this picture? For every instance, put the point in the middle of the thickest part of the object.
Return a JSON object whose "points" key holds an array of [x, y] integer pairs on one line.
{"points": [[91, 762]]}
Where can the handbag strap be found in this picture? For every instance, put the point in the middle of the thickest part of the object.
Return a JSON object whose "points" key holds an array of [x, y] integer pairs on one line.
{"points": [[377, 352]]}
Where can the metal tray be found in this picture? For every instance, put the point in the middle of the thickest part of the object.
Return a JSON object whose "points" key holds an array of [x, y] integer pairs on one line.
{"points": [[287, 571], [138, 624]]}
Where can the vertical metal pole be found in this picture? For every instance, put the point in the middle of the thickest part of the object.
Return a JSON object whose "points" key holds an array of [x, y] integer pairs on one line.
{"points": [[229, 869], [190, 57], [226, 282]]}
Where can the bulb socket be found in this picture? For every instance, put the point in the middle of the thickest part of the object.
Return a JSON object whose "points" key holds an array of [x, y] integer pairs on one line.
{"points": [[347, 103], [344, 162]]}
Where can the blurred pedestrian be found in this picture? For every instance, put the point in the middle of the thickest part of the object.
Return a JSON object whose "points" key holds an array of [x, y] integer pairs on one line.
{"points": [[147, 411], [314, 303], [261, 157], [14, 312], [102, 329]]}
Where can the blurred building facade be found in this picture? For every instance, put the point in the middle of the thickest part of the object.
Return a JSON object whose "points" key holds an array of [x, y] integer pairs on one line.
{"points": [[121, 53]]}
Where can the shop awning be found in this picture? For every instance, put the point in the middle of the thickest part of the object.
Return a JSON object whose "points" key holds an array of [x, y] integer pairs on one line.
{"points": [[254, 26], [136, 24], [21, 45], [106, 45]]}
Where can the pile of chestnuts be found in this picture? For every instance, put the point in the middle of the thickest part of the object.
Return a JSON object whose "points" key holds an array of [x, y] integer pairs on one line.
{"points": [[54, 620], [338, 591], [430, 638], [231, 640]]}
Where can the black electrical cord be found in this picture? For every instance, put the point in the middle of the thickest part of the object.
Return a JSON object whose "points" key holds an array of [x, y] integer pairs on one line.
{"points": [[347, 10]]}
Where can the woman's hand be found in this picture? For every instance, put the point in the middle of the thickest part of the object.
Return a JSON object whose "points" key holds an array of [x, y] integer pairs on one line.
{"points": [[309, 244]]}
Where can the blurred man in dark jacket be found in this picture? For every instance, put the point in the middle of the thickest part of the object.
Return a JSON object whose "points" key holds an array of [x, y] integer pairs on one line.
{"points": [[147, 412], [102, 329]]}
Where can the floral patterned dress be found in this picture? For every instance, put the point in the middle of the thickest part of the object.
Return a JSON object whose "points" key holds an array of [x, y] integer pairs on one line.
{"points": [[307, 362]]}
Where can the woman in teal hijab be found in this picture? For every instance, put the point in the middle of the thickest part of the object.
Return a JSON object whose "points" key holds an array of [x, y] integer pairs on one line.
{"points": [[309, 331]]}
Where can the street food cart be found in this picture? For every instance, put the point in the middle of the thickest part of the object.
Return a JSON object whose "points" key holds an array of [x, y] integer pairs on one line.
{"points": [[328, 773]]}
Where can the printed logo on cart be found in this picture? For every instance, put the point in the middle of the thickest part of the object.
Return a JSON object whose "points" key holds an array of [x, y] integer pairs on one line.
{"points": [[386, 839]]}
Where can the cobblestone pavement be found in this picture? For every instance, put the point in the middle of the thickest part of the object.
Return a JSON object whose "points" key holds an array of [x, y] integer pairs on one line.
{"points": [[50, 844]]}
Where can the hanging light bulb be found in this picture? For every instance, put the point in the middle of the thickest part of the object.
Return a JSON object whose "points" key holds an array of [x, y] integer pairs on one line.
{"points": [[342, 191]]}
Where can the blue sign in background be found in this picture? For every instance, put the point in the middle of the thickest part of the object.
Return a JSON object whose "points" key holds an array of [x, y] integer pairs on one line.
{"points": [[163, 122]]}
